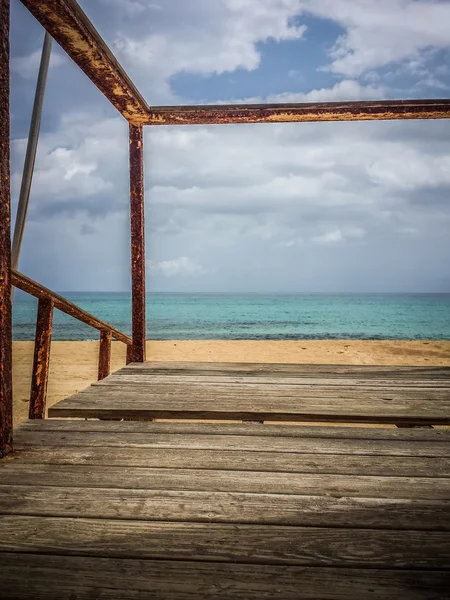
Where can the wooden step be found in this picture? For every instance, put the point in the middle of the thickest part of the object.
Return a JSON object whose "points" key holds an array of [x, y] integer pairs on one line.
{"points": [[294, 393]]}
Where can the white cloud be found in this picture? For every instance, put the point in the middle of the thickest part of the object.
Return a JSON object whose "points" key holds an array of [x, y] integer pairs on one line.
{"points": [[409, 169], [177, 267], [290, 243], [201, 37], [225, 43], [331, 237], [339, 235], [82, 158], [380, 32], [217, 37], [347, 89], [131, 7], [28, 66]]}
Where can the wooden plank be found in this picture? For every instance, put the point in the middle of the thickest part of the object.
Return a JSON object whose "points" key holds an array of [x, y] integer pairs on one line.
{"points": [[251, 369], [170, 458], [285, 430], [306, 484], [212, 404], [268, 430], [31, 576], [250, 544], [225, 507], [236, 443], [234, 392], [301, 382], [224, 398]]}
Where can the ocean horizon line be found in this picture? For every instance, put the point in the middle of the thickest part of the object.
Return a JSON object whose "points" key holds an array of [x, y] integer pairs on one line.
{"points": [[21, 293]]}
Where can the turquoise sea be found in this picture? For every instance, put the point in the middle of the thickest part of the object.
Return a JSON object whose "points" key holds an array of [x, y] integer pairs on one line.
{"points": [[254, 316]]}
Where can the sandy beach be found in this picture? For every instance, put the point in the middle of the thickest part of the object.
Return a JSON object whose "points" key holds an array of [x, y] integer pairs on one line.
{"points": [[73, 365]]}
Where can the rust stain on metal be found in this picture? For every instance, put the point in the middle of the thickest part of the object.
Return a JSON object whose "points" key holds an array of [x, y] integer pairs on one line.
{"points": [[5, 242], [39, 291], [73, 31], [41, 363], [104, 355], [306, 112], [137, 243]]}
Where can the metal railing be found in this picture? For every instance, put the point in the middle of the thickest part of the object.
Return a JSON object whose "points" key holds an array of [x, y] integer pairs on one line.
{"points": [[47, 301]]}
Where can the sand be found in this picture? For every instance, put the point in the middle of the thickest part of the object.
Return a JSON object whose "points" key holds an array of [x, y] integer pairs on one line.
{"points": [[73, 365]]}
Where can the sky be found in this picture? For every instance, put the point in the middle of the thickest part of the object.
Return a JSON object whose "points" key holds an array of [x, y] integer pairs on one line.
{"points": [[291, 207]]}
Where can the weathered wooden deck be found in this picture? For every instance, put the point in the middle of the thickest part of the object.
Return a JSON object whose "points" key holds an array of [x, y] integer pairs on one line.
{"points": [[127, 509]]}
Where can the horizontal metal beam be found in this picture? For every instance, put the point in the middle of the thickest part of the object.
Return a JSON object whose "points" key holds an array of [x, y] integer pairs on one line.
{"points": [[70, 27], [307, 112], [37, 290]]}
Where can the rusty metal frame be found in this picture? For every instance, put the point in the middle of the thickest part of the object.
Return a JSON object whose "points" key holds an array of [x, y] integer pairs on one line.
{"points": [[137, 242], [41, 361], [104, 355], [71, 28], [222, 114], [5, 242]]}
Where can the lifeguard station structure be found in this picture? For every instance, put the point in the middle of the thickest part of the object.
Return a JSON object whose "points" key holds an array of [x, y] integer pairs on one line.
{"points": [[104, 500]]}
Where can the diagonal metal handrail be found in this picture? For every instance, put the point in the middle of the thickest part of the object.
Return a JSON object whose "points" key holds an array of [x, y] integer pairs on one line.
{"points": [[48, 301]]}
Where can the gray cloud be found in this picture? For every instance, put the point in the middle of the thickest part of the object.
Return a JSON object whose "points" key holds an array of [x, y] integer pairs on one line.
{"points": [[327, 206]]}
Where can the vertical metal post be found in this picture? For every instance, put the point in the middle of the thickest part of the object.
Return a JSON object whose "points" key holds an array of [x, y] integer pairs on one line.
{"points": [[5, 242], [41, 362], [104, 355], [137, 242], [30, 156]]}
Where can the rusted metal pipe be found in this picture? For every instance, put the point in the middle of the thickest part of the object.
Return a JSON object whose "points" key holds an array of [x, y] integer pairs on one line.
{"points": [[137, 242], [5, 242], [30, 156], [41, 362], [39, 291], [306, 112], [104, 355], [69, 26]]}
